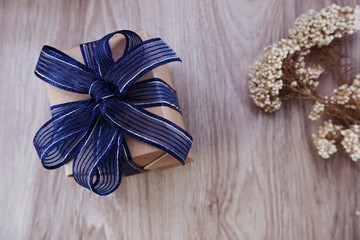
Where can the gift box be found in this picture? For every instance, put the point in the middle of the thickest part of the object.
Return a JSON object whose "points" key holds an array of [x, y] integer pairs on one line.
{"points": [[144, 155]]}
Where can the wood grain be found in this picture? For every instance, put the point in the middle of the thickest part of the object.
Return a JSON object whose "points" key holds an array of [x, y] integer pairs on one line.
{"points": [[256, 175]]}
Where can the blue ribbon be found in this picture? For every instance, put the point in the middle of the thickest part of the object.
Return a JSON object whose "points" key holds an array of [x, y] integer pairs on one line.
{"points": [[92, 131]]}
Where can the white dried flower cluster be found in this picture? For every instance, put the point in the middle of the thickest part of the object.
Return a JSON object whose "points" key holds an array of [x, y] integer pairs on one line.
{"points": [[306, 75], [329, 136], [313, 73], [317, 110], [351, 141], [321, 28], [265, 75], [325, 139], [310, 30], [347, 95]]}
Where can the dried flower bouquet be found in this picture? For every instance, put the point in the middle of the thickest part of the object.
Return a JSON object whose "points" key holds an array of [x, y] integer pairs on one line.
{"points": [[282, 74]]}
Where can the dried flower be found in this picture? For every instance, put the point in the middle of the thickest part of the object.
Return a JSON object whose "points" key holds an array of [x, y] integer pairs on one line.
{"points": [[317, 110], [268, 76], [321, 28], [351, 141], [347, 95], [325, 139], [281, 74]]}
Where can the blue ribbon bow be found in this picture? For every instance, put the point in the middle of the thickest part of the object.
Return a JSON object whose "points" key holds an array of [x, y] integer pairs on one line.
{"points": [[92, 131]]}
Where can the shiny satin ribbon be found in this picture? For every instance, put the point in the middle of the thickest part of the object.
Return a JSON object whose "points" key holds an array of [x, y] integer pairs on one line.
{"points": [[92, 131]]}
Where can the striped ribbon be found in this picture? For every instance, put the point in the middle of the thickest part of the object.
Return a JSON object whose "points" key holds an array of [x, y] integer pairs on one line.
{"points": [[92, 131]]}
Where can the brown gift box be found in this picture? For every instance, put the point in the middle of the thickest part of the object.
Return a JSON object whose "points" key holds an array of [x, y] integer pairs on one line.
{"points": [[143, 154]]}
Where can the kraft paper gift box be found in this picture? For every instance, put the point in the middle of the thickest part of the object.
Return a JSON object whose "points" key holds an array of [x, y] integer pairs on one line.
{"points": [[144, 155]]}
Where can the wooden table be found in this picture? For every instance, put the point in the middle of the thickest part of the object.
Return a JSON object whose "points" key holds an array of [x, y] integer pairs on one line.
{"points": [[256, 176]]}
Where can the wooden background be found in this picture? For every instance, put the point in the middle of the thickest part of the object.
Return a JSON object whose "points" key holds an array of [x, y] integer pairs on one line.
{"points": [[256, 175]]}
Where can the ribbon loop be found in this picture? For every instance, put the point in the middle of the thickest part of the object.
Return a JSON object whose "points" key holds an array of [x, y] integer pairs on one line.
{"points": [[62, 71], [143, 58], [97, 54], [57, 140]]}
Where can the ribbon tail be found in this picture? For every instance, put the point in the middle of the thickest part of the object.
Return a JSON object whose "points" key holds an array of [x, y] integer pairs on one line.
{"points": [[129, 167], [56, 141], [91, 166], [150, 128]]}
